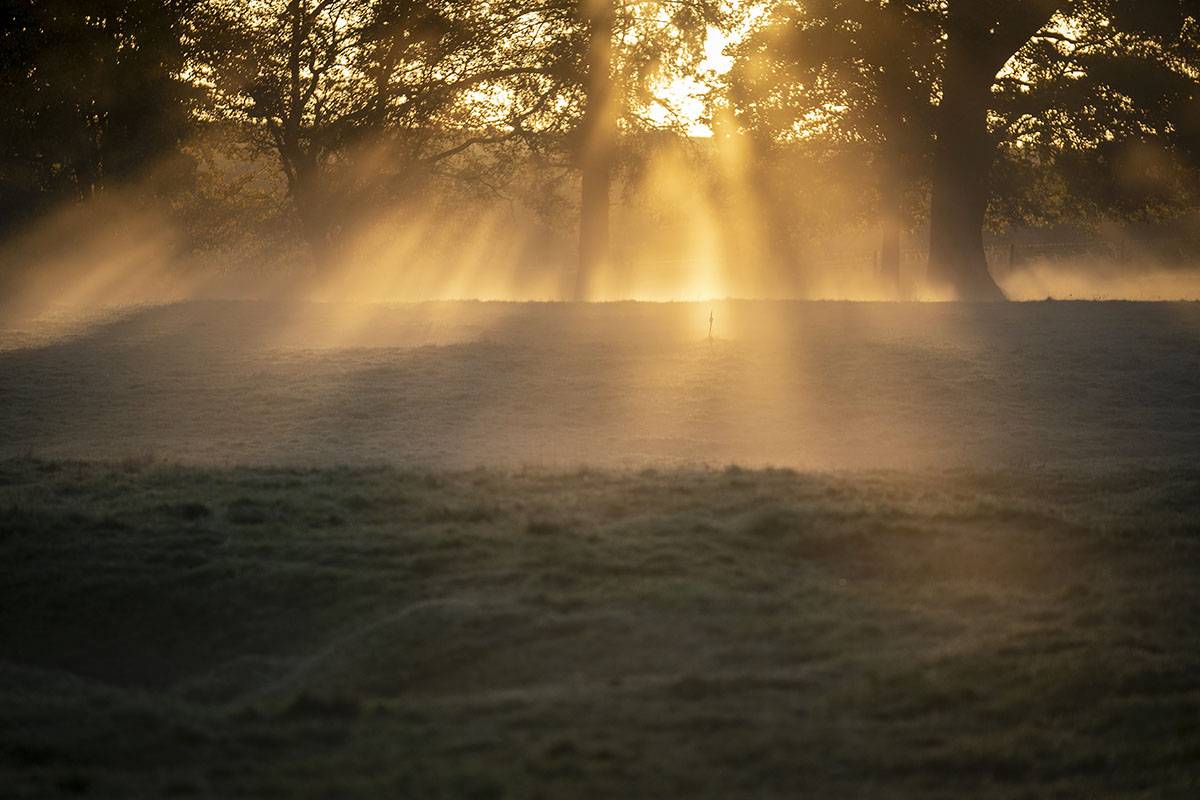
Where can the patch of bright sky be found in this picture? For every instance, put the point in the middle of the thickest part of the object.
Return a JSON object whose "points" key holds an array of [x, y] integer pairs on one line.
{"points": [[684, 98]]}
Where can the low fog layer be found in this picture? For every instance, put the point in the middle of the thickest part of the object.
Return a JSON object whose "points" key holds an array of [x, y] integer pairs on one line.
{"points": [[677, 244], [798, 384]]}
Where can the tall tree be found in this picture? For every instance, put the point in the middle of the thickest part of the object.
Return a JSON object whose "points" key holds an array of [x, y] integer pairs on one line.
{"points": [[92, 94], [962, 80], [852, 75], [984, 37], [980, 39], [597, 144], [1108, 113], [592, 71], [321, 84]]}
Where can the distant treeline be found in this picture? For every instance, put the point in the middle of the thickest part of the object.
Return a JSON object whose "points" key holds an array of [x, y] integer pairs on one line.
{"points": [[286, 121]]}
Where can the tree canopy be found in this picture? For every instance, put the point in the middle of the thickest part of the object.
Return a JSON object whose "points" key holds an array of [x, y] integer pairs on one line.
{"points": [[92, 94], [964, 113]]}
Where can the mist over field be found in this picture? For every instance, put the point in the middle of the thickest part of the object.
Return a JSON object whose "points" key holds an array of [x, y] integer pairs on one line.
{"points": [[599, 399], [821, 385], [499, 549]]}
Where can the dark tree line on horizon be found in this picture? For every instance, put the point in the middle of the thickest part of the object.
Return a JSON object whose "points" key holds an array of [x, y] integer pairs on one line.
{"points": [[957, 106]]}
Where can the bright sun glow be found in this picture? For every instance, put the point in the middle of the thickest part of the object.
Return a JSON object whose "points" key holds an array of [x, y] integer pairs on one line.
{"points": [[686, 98]]}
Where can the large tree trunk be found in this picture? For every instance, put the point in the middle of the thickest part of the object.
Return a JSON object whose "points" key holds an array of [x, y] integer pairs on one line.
{"points": [[893, 158], [981, 39], [775, 221], [310, 201], [313, 212], [962, 161], [597, 145], [891, 225]]}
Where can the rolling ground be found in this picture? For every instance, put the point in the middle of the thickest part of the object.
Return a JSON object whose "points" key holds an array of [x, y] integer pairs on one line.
{"points": [[495, 550], [804, 385]]}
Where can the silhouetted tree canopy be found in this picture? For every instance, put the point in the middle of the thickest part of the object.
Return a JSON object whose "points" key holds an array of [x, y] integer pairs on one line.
{"points": [[92, 94], [592, 70], [849, 77], [954, 112], [356, 99], [1100, 95]]}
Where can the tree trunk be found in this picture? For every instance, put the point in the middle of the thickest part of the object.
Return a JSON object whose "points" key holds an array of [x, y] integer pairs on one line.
{"points": [[982, 37], [891, 224], [597, 146], [313, 210], [962, 161]]}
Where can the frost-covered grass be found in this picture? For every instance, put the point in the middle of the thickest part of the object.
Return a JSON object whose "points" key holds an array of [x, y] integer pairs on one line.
{"points": [[397, 632], [452, 385], [525, 582]]}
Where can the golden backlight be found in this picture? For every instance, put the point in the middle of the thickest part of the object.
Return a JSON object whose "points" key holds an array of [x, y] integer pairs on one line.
{"points": [[689, 223]]}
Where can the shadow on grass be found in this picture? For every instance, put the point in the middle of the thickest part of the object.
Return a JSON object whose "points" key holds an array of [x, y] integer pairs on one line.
{"points": [[365, 631]]}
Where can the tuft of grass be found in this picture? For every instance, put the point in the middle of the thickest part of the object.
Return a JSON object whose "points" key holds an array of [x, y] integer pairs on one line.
{"points": [[543, 527], [368, 632], [246, 511], [73, 782], [310, 706], [189, 511]]}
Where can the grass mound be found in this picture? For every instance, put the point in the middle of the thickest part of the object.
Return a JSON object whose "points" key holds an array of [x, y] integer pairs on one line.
{"points": [[171, 631]]}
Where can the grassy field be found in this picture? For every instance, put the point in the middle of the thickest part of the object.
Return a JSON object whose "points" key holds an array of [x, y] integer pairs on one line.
{"points": [[384, 631], [459, 385], [960, 557]]}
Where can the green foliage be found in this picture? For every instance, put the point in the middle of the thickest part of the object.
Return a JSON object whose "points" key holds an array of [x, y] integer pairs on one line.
{"points": [[362, 103], [1095, 116], [357, 101], [1106, 100], [654, 41], [92, 93], [845, 72]]}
